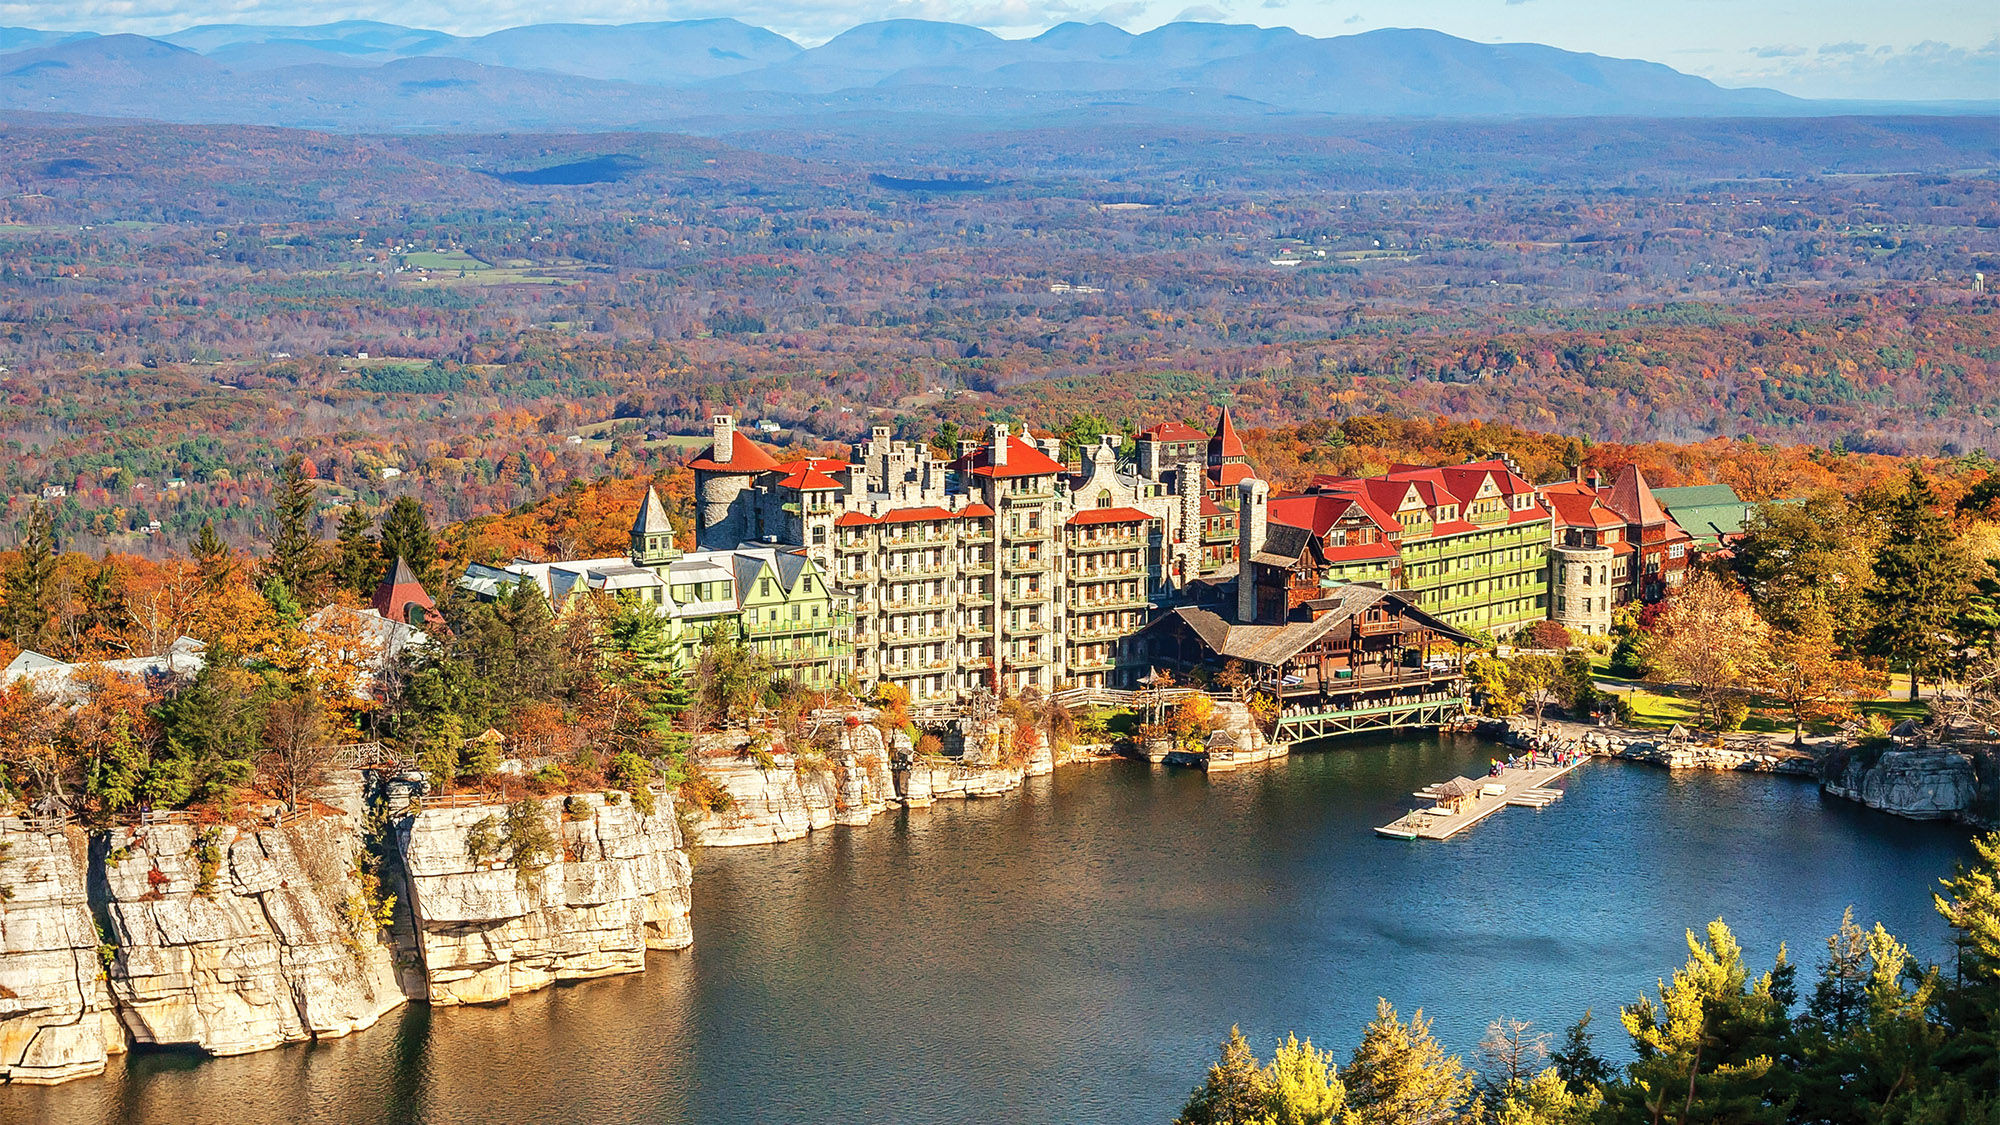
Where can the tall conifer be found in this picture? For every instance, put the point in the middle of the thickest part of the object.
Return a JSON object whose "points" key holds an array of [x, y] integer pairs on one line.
{"points": [[1921, 579]]}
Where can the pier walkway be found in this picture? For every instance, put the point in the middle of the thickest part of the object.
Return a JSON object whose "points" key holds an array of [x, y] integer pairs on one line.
{"points": [[1517, 785]]}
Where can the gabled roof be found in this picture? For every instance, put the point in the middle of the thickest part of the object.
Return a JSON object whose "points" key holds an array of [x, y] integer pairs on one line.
{"points": [[1023, 460], [745, 456], [1225, 442], [1108, 515], [812, 474], [1172, 431], [652, 519], [974, 511], [853, 519], [1631, 498]]}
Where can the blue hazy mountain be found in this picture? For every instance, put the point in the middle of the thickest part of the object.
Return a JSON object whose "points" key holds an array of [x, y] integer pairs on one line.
{"points": [[369, 75]]}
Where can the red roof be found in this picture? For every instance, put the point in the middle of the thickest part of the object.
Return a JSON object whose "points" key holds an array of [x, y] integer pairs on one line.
{"points": [[1357, 551], [1172, 431], [1209, 507], [745, 456], [1023, 460], [811, 474], [1230, 475], [1315, 513], [974, 511], [916, 515], [1108, 515], [853, 519], [1579, 509], [1632, 499], [1225, 436]]}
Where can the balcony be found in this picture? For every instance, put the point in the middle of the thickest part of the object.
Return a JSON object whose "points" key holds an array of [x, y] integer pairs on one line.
{"points": [[1030, 566], [975, 533], [976, 566], [840, 621], [931, 570], [1039, 628], [1122, 543], [1036, 660], [1092, 664], [1080, 604], [892, 671], [976, 597], [1029, 535], [1106, 573], [910, 605]]}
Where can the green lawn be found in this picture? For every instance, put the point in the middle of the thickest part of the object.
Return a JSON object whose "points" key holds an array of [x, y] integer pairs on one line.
{"points": [[1660, 706], [443, 260]]}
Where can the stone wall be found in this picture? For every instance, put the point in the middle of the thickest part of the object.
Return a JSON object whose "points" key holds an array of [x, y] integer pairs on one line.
{"points": [[617, 886]]}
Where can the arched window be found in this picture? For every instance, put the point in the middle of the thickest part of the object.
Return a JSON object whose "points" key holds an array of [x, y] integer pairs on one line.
{"points": [[1104, 498]]}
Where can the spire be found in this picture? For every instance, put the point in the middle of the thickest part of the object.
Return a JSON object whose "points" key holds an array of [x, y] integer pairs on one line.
{"points": [[652, 516], [398, 592], [1632, 499], [653, 533], [1225, 443]]}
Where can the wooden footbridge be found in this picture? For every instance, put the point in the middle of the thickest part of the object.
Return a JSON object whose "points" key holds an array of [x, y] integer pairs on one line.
{"points": [[1463, 802]]}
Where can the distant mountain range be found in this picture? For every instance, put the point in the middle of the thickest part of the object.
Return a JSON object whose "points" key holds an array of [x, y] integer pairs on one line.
{"points": [[361, 76]]}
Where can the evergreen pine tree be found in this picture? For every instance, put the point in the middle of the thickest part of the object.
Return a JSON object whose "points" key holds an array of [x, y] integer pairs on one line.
{"points": [[1971, 906], [1577, 1062], [106, 613], [1707, 1051], [116, 769], [1300, 1086], [1921, 578], [407, 532], [1234, 1092], [30, 585], [1400, 1075], [357, 565], [296, 557], [212, 559]]}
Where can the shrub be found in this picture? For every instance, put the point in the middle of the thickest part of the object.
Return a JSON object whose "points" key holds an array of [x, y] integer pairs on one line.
{"points": [[576, 808]]}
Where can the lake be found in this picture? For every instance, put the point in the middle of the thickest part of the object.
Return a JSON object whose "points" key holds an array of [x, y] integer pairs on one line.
{"points": [[1073, 953]]}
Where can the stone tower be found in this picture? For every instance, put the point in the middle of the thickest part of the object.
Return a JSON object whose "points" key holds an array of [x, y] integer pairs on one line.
{"points": [[1252, 496]]}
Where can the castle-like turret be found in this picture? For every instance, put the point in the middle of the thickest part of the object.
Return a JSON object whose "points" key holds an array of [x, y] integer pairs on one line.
{"points": [[653, 533]]}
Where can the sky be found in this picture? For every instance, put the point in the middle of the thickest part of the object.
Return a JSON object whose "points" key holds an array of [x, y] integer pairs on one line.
{"points": [[1893, 49]]}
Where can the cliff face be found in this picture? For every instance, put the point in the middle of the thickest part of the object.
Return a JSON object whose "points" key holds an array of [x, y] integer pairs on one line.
{"points": [[56, 1019], [780, 798], [616, 886], [235, 941], [1936, 784]]}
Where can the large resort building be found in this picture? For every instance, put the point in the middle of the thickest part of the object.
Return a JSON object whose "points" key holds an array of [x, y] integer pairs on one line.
{"points": [[999, 565]]}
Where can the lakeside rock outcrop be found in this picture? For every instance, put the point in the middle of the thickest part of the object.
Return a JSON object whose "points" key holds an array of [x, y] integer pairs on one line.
{"points": [[57, 1021], [775, 795], [235, 940], [1939, 783], [615, 884], [231, 938]]}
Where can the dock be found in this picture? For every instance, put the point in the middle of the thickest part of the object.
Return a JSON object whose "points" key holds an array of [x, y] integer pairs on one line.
{"points": [[1520, 786]]}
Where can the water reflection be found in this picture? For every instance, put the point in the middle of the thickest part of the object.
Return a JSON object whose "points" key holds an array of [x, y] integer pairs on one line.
{"points": [[1071, 954]]}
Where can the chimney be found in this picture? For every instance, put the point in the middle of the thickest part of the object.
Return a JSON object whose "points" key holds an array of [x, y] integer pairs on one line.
{"points": [[724, 426], [1111, 444], [997, 441], [967, 447], [1251, 496]]}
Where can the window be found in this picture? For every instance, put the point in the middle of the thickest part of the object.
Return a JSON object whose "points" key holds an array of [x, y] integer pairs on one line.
{"points": [[764, 587]]}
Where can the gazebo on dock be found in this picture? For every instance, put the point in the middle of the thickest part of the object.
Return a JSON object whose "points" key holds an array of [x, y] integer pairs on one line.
{"points": [[1453, 795]]}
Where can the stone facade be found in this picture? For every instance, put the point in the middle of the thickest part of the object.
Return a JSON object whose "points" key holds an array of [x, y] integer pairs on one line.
{"points": [[1580, 581]]}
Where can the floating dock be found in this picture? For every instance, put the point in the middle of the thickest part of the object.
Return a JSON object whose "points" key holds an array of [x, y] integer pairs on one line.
{"points": [[1521, 786]]}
